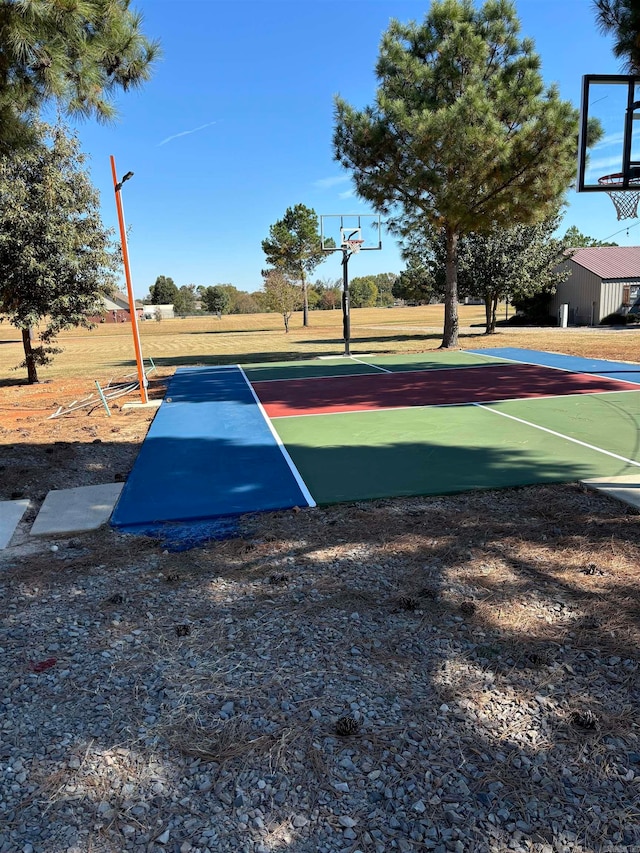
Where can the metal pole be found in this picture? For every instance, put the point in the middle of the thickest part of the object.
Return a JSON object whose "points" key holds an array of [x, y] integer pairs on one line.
{"points": [[346, 321], [628, 134], [142, 379]]}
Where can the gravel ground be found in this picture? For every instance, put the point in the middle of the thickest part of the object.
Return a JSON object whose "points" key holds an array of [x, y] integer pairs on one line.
{"points": [[454, 674]]}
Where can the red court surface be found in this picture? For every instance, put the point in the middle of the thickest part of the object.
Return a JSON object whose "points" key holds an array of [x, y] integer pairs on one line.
{"points": [[426, 388]]}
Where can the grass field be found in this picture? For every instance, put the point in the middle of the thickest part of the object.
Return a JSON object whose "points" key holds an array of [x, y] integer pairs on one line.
{"points": [[107, 350]]}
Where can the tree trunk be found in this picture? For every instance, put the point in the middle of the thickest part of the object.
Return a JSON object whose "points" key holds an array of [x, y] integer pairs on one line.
{"points": [[32, 373], [450, 336], [487, 315], [286, 322], [305, 300], [491, 307]]}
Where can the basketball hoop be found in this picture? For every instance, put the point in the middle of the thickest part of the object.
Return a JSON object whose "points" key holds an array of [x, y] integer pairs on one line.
{"points": [[352, 245], [624, 201]]}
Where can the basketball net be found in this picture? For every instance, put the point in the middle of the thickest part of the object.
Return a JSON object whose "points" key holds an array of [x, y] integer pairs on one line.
{"points": [[354, 245], [624, 201]]}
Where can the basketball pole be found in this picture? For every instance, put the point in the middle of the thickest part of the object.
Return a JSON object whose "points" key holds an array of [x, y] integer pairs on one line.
{"points": [[346, 319], [117, 186], [349, 245]]}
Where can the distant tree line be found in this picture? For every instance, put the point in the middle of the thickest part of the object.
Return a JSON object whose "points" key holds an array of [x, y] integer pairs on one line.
{"points": [[322, 295]]}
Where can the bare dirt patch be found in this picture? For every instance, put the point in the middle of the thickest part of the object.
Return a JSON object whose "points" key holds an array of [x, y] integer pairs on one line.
{"points": [[83, 448]]}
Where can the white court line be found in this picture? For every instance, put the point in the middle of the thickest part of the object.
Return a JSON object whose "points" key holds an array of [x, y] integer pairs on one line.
{"points": [[375, 366], [298, 478], [506, 358], [599, 373], [559, 435]]}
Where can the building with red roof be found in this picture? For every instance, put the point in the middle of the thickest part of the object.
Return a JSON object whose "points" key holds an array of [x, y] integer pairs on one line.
{"points": [[603, 280]]}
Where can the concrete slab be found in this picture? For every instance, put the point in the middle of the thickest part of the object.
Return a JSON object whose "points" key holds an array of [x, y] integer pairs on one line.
{"points": [[152, 404], [75, 510], [626, 488], [10, 514]]}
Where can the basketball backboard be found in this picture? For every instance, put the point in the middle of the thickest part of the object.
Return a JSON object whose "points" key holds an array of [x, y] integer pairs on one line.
{"points": [[338, 231], [613, 100]]}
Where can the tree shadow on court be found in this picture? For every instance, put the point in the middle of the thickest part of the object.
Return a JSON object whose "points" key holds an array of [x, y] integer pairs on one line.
{"points": [[358, 340], [465, 631]]}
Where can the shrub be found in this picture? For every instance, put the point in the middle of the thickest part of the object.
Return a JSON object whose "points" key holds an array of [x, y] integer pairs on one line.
{"points": [[615, 319]]}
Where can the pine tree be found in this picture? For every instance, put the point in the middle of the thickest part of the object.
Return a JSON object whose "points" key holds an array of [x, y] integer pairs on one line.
{"points": [[575, 239], [293, 245], [621, 18], [164, 291], [216, 299], [76, 53], [462, 136], [56, 257]]}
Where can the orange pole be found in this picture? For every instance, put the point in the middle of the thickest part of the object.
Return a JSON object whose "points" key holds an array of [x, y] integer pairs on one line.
{"points": [[142, 379]]}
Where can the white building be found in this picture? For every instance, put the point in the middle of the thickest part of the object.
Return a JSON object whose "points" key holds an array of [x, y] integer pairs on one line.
{"points": [[152, 312]]}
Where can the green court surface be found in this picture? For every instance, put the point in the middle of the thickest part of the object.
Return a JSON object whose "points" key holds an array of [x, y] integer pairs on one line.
{"points": [[272, 371], [432, 361], [609, 421], [359, 365], [448, 449]]}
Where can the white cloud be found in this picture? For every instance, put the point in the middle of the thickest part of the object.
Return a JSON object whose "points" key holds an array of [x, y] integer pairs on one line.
{"points": [[186, 133], [327, 183], [346, 194], [608, 141], [601, 165]]}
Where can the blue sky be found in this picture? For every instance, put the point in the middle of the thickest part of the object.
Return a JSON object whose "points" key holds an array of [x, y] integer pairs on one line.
{"points": [[236, 126]]}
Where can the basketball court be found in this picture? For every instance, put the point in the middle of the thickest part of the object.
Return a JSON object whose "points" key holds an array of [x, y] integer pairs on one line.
{"points": [[232, 440]]}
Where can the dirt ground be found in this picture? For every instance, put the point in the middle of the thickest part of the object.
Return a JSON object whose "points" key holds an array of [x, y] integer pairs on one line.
{"points": [[82, 448]]}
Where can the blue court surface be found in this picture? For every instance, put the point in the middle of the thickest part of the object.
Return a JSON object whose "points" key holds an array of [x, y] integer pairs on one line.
{"points": [[593, 366], [209, 453]]}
